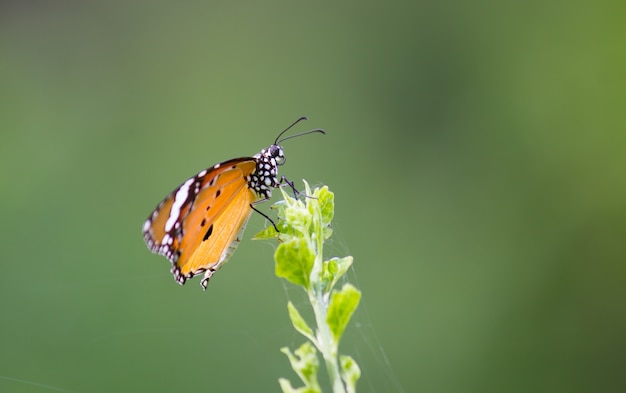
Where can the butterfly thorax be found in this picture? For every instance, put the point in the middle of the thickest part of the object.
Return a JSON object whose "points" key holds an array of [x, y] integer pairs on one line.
{"points": [[265, 176]]}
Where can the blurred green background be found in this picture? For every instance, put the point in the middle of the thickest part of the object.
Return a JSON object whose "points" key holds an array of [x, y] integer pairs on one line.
{"points": [[476, 149]]}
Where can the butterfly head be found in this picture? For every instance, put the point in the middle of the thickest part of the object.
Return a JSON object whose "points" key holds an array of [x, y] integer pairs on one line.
{"points": [[277, 153], [265, 177]]}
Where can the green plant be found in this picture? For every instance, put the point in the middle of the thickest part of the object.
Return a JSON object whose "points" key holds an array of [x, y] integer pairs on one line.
{"points": [[303, 227]]}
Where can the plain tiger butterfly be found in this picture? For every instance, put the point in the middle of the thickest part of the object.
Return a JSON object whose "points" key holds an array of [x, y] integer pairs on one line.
{"points": [[199, 225]]}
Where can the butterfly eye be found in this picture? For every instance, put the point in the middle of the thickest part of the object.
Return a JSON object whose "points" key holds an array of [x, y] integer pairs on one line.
{"points": [[277, 153]]}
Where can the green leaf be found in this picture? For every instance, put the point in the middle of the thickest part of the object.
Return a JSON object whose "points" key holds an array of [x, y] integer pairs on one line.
{"points": [[305, 363], [307, 188], [326, 200], [350, 372], [286, 387], [342, 305], [299, 323], [327, 233], [329, 268], [294, 261], [333, 270], [343, 264], [296, 215], [266, 234]]}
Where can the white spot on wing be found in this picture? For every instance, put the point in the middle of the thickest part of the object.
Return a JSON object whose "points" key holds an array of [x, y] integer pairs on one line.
{"points": [[181, 197], [146, 225]]}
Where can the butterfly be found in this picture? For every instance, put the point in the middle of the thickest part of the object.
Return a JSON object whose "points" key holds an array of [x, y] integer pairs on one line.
{"points": [[199, 225]]}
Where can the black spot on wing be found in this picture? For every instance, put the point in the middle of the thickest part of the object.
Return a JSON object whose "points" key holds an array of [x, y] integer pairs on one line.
{"points": [[203, 223], [217, 193], [208, 233]]}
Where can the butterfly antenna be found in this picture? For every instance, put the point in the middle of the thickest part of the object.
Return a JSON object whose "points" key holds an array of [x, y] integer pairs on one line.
{"points": [[287, 129], [278, 140]]}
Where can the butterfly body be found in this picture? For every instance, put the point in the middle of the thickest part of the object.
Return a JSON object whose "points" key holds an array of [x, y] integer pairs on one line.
{"points": [[199, 225]]}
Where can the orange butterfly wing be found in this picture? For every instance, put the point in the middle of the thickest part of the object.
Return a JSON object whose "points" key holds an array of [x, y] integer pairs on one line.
{"points": [[197, 227]]}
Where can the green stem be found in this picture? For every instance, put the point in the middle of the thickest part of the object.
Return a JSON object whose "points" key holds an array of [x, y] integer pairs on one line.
{"points": [[325, 340], [319, 302]]}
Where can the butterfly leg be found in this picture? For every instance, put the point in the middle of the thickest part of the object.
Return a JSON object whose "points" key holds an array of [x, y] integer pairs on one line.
{"points": [[296, 193], [263, 214]]}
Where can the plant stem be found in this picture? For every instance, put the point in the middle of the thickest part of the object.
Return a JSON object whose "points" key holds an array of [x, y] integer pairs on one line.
{"points": [[325, 340], [319, 302]]}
